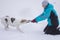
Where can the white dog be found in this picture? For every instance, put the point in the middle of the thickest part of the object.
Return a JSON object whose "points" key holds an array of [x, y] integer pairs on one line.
{"points": [[7, 21]]}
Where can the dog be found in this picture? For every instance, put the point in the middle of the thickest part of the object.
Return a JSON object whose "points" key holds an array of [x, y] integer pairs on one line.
{"points": [[7, 21]]}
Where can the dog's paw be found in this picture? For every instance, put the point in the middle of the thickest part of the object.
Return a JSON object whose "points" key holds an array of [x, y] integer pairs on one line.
{"points": [[21, 31], [6, 29]]}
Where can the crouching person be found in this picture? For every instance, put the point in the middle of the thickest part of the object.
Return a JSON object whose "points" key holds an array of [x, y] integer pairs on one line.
{"points": [[50, 14]]}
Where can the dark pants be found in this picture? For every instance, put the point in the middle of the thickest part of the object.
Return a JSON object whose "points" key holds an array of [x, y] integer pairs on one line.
{"points": [[53, 28]]}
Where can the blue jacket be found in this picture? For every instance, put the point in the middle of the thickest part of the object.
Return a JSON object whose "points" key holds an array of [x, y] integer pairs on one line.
{"points": [[46, 14]]}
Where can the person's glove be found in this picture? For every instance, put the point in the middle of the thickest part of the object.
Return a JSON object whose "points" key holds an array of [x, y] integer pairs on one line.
{"points": [[33, 21]]}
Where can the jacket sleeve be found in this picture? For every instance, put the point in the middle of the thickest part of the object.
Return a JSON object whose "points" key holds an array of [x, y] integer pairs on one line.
{"points": [[44, 15]]}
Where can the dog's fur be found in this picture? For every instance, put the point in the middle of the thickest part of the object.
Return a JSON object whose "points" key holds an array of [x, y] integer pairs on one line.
{"points": [[6, 21]]}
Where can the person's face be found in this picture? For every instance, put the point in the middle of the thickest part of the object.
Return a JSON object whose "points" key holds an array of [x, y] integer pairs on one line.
{"points": [[43, 6]]}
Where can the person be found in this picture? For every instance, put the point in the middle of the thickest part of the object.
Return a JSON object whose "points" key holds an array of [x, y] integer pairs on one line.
{"points": [[50, 14]]}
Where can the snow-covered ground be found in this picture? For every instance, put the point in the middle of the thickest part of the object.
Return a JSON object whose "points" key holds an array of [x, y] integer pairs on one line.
{"points": [[26, 9]]}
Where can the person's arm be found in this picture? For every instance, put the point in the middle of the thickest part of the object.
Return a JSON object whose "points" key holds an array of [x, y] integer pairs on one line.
{"points": [[43, 16]]}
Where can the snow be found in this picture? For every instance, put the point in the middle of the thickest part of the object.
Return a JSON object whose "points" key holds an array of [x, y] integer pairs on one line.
{"points": [[26, 9]]}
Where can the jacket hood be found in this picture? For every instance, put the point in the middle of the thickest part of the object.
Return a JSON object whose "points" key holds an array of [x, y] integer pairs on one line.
{"points": [[49, 6]]}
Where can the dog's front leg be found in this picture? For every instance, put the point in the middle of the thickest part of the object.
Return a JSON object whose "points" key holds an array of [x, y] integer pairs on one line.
{"points": [[6, 27], [19, 29]]}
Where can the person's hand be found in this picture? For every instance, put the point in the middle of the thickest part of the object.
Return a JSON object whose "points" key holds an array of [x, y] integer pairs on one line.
{"points": [[34, 21]]}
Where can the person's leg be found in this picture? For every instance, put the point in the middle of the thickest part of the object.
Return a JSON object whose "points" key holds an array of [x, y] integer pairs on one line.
{"points": [[55, 24], [51, 30], [45, 28]]}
